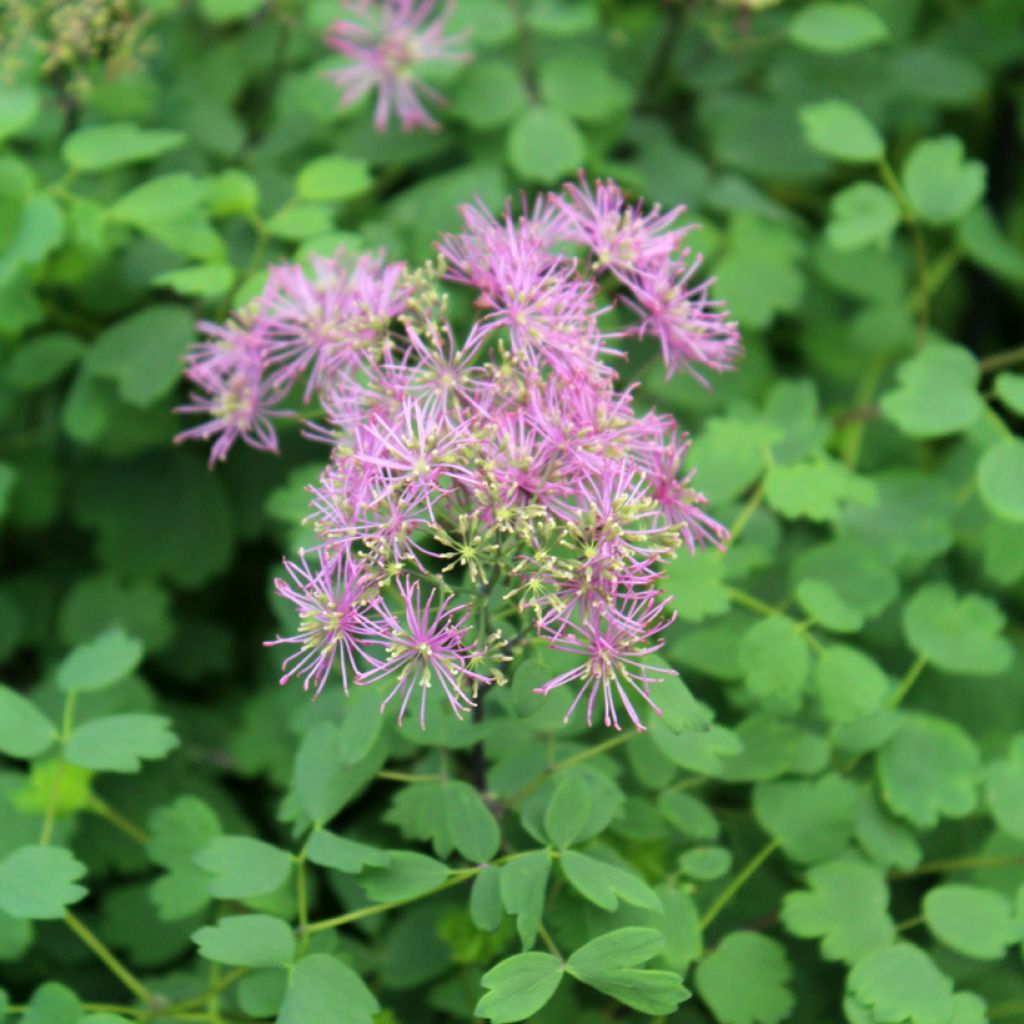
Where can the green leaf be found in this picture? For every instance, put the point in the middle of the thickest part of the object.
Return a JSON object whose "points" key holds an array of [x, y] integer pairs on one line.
{"points": [[243, 868], [943, 186], [815, 490], [835, 28], [247, 940], [901, 983], [345, 855], [489, 95], [296, 222], [518, 987], [523, 885], [846, 907], [568, 811], [937, 393], [604, 884], [839, 130], [19, 105], [485, 907], [745, 980], [100, 663], [929, 770], [318, 986], [850, 684], [223, 11], [689, 815], [812, 820], [775, 658], [474, 832], [55, 783], [53, 1003], [102, 147], [696, 584], [975, 922], [985, 243], [43, 360], [39, 231], [1005, 784], [24, 731], [1001, 479], [544, 145], [206, 282], [862, 214], [120, 743], [177, 832], [1010, 389], [579, 84], [159, 200], [959, 635], [333, 178], [760, 273], [705, 863], [406, 876], [39, 882], [142, 352]]}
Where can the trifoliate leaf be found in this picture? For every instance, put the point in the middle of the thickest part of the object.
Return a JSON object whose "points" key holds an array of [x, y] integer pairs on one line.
{"points": [[318, 986], [471, 825], [45, 359], [604, 884], [850, 684], [568, 810], [775, 658], [888, 842], [518, 987], [812, 820], [957, 634], [833, 28], [104, 146], [405, 876], [485, 907], [544, 145], [40, 882], [243, 868], [523, 885], [862, 214], [334, 178], [24, 731], [846, 907], [177, 832], [745, 980], [937, 393], [579, 84], [689, 815], [839, 130], [1001, 479], [345, 855], [247, 940], [120, 743], [696, 584], [930, 769], [100, 663], [975, 922], [941, 184], [901, 983]]}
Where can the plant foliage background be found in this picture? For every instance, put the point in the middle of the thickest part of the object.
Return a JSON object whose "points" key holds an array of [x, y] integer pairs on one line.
{"points": [[843, 835]]}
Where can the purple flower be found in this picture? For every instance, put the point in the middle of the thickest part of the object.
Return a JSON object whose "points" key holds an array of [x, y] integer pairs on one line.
{"points": [[228, 369], [615, 648], [386, 42], [426, 642], [333, 624]]}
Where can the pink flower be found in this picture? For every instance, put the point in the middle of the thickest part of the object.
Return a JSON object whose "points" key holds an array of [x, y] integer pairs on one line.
{"points": [[693, 329], [333, 624], [234, 391], [387, 42], [615, 648], [426, 643]]}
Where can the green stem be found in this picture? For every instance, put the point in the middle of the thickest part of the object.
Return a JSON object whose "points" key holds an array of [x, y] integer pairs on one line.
{"points": [[739, 524], [103, 953], [908, 680], [922, 300], [176, 1010], [409, 777], [1012, 1008], [751, 602], [942, 867], [67, 722], [726, 895], [99, 806], [545, 936], [1001, 360]]}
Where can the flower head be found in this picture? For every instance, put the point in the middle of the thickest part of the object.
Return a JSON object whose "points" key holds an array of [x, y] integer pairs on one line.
{"points": [[386, 42]]}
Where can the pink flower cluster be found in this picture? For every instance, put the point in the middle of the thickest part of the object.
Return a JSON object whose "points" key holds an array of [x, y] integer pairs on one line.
{"points": [[485, 490], [386, 43]]}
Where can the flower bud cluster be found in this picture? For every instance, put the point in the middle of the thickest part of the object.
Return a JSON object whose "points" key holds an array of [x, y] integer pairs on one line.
{"points": [[483, 488]]}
